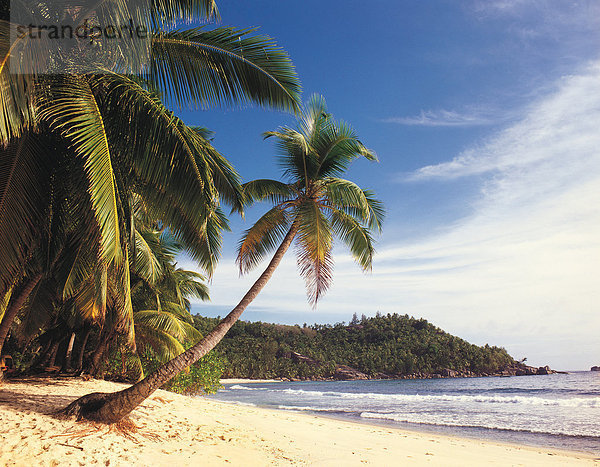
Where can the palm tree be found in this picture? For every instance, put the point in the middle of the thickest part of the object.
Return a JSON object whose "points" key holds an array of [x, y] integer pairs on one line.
{"points": [[312, 207], [101, 135]]}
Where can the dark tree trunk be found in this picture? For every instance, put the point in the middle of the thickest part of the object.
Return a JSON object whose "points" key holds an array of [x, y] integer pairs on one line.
{"points": [[113, 407], [87, 331], [15, 304], [101, 349], [44, 355], [54, 352]]}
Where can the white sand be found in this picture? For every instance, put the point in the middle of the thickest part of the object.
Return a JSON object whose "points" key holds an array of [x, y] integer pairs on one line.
{"points": [[197, 431]]}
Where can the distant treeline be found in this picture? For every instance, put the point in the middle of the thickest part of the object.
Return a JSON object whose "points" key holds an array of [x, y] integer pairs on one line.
{"points": [[391, 345]]}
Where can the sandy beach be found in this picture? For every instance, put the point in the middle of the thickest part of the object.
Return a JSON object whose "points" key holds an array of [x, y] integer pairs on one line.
{"points": [[180, 430]]}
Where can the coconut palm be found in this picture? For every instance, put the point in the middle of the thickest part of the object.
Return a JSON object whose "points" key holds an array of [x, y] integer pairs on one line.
{"points": [[311, 207], [106, 133]]}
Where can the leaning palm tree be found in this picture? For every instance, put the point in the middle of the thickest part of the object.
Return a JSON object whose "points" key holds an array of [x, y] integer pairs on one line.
{"points": [[312, 207]]}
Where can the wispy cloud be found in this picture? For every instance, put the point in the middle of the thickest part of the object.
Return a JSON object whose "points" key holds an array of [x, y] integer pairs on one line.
{"points": [[567, 29], [442, 118], [555, 129], [521, 271]]}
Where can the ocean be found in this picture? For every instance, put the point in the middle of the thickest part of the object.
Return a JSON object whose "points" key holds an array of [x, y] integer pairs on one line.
{"points": [[559, 411]]}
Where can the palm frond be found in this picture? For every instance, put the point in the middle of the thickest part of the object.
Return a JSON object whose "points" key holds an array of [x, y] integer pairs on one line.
{"points": [[337, 146], [180, 312], [376, 210], [168, 12], [164, 346], [344, 194], [265, 189], [201, 237], [222, 66], [86, 301], [4, 301], [24, 191], [190, 284], [72, 108], [262, 238], [314, 250], [166, 322], [295, 155], [147, 265], [224, 177], [315, 117], [355, 236]]}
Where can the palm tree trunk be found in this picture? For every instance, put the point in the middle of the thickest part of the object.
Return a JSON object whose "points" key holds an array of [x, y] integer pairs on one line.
{"points": [[15, 305], [42, 355], [98, 353], [86, 336], [69, 353], [113, 407]]}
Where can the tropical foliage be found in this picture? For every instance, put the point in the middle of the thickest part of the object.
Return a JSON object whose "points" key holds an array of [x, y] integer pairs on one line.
{"points": [[77, 147], [162, 326], [392, 345], [313, 206]]}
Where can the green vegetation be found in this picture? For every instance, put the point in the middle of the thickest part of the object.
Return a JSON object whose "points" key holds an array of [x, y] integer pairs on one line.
{"points": [[69, 334], [101, 185], [391, 345]]}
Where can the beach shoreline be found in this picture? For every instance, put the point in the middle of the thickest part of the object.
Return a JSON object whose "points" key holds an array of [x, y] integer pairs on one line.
{"points": [[182, 430]]}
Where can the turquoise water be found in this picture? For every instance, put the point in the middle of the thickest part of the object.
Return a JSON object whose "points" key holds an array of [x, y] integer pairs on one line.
{"points": [[561, 411]]}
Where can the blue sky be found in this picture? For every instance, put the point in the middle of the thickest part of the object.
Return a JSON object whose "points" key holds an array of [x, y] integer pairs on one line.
{"points": [[485, 117]]}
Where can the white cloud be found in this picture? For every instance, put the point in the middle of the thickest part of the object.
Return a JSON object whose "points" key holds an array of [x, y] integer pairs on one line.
{"points": [[521, 271], [442, 118]]}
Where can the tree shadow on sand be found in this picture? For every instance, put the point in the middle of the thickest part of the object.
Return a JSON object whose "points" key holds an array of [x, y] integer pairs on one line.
{"points": [[45, 404], [13, 397]]}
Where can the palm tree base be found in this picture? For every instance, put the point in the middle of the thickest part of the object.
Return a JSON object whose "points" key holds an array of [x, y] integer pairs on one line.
{"points": [[89, 407]]}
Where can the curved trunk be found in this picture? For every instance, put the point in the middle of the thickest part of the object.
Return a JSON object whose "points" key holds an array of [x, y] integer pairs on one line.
{"points": [[111, 408], [15, 305]]}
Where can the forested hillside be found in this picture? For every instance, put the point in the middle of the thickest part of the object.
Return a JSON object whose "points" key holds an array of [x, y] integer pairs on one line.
{"points": [[383, 346]]}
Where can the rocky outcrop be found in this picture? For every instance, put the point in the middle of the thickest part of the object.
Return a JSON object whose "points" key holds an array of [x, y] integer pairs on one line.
{"points": [[344, 373], [516, 369], [347, 373], [544, 370], [595, 368]]}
